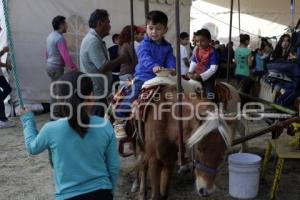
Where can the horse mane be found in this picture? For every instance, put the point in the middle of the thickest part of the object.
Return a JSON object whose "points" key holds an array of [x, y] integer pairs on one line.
{"points": [[223, 92], [213, 122]]}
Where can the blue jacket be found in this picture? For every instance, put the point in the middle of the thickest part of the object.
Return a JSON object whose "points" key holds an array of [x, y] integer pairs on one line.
{"points": [[80, 165], [151, 54]]}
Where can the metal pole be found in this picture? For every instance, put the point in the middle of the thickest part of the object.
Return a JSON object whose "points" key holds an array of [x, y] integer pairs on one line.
{"points": [[239, 8], [271, 128], [179, 88], [230, 28], [273, 105], [292, 8], [146, 8], [132, 29]]}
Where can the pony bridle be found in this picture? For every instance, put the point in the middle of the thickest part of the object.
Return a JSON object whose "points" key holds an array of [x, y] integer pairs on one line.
{"points": [[204, 168], [200, 166], [204, 130]]}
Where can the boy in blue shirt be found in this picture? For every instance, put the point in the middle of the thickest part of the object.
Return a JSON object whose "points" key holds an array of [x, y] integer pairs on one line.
{"points": [[154, 54]]}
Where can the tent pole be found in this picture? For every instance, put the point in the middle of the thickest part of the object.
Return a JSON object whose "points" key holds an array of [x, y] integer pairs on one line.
{"points": [[229, 41], [179, 88], [132, 29], [292, 9], [146, 8], [239, 8]]}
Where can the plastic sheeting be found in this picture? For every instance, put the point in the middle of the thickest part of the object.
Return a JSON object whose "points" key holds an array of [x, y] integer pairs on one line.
{"points": [[266, 18], [3, 37]]}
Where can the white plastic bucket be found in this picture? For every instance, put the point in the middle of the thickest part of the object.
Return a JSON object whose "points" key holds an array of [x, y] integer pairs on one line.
{"points": [[244, 173]]}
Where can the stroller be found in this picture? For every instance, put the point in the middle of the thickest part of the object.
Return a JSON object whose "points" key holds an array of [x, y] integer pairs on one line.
{"points": [[283, 79], [281, 84]]}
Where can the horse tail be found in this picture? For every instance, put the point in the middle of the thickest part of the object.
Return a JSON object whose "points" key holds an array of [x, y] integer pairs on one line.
{"points": [[213, 122]]}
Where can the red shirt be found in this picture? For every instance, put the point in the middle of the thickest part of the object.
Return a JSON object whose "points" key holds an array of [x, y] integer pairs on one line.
{"points": [[203, 59]]}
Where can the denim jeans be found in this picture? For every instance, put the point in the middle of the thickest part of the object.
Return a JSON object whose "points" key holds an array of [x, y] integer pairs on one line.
{"points": [[209, 88], [123, 110]]}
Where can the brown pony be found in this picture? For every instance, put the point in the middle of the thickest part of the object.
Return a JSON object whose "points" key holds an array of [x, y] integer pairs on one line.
{"points": [[207, 131]]}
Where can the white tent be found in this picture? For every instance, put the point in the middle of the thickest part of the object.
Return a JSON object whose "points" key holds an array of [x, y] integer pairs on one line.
{"points": [[31, 23], [266, 18]]}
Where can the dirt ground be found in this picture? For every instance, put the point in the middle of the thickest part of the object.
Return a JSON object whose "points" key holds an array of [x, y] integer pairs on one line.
{"points": [[23, 177]]}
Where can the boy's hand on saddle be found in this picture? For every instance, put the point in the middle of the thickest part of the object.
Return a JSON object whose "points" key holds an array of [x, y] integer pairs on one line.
{"points": [[173, 72], [157, 69], [195, 76]]}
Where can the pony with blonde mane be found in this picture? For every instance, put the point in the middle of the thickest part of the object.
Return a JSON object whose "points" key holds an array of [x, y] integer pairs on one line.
{"points": [[209, 131]]}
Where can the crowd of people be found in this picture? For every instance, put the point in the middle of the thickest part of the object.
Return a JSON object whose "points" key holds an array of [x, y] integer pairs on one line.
{"points": [[85, 158], [247, 66]]}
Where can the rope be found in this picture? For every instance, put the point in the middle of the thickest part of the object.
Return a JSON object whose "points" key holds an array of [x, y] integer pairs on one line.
{"points": [[14, 66], [12, 55]]}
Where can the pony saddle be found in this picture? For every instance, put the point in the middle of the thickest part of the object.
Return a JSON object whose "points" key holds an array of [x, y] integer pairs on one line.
{"points": [[140, 105], [147, 96]]}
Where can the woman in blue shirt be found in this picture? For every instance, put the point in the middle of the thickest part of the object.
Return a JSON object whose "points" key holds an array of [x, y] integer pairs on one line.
{"points": [[83, 147]]}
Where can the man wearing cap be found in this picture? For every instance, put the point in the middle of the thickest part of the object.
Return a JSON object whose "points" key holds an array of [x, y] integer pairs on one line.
{"points": [[139, 36]]}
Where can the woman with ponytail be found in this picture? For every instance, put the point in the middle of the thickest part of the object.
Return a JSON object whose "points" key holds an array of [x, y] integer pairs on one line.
{"points": [[83, 147]]}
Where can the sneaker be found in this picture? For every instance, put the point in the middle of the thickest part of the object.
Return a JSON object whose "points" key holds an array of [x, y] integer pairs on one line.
{"points": [[6, 124], [119, 127]]}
